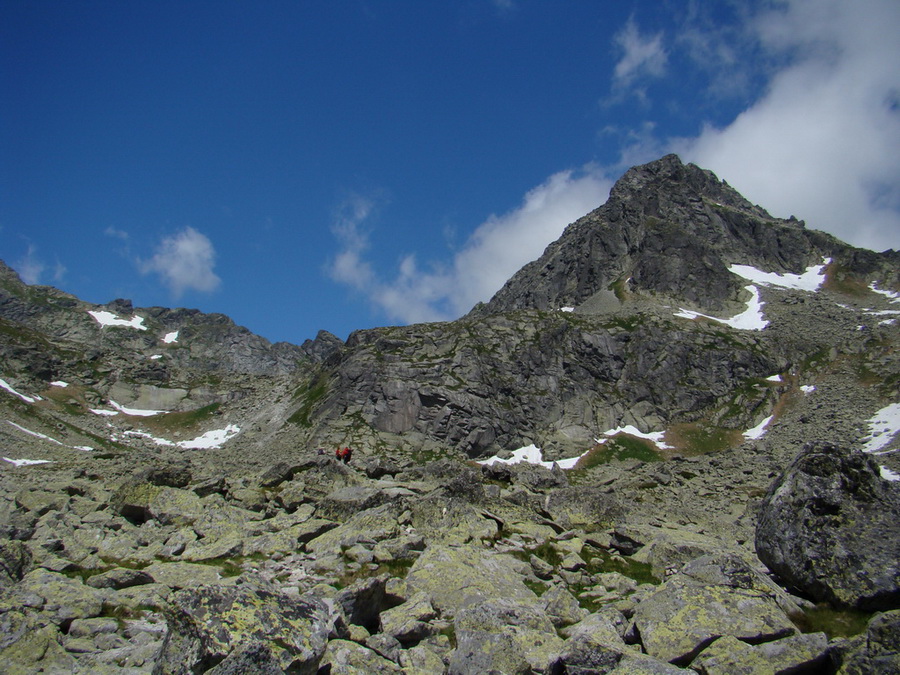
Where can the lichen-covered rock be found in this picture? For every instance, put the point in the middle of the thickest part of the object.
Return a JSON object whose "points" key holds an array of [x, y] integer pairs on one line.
{"points": [[456, 577], [343, 657], [27, 647], [120, 578], [15, 561], [877, 651], [689, 612], [503, 636], [63, 598], [408, 622], [830, 527], [794, 654], [207, 624]]}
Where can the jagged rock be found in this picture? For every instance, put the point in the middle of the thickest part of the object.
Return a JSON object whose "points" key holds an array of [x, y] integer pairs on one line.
{"points": [[585, 506], [209, 624], [363, 602], [179, 575], [62, 598], [830, 527], [503, 636], [704, 602], [807, 653]]}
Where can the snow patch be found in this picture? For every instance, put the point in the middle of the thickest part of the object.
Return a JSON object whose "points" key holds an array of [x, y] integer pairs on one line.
{"points": [[155, 357], [109, 319], [59, 383], [28, 399], [751, 318], [807, 388], [135, 411], [170, 338], [533, 455], [773, 378], [566, 309], [758, 430], [887, 474], [811, 280], [883, 427], [211, 439], [891, 295], [35, 433], [106, 413], [26, 462], [654, 436]]}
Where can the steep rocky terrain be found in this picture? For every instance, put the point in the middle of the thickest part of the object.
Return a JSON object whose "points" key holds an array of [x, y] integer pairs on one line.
{"points": [[164, 506]]}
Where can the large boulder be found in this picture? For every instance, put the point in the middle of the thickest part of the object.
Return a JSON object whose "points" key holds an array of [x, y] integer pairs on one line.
{"points": [[455, 577], [222, 625], [830, 528], [713, 596], [503, 636]]}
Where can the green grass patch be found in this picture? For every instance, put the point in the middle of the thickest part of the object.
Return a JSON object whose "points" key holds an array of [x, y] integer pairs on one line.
{"points": [[701, 438], [177, 421], [833, 622], [620, 447], [599, 561], [314, 393]]}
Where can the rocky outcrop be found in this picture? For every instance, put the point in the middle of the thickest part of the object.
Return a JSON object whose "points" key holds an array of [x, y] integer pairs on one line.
{"points": [[830, 528]]}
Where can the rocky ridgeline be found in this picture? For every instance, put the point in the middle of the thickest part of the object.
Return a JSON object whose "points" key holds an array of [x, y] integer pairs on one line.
{"points": [[720, 551]]}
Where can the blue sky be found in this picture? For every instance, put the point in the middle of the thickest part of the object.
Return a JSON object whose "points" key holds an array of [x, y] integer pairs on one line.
{"points": [[341, 165]]}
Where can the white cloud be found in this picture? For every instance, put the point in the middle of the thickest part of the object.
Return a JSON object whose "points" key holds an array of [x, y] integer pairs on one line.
{"points": [[822, 141], [643, 55], [30, 268], [116, 233], [497, 249], [184, 261]]}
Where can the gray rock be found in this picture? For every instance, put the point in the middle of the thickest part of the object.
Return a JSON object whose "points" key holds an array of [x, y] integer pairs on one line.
{"points": [[120, 578], [503, 636], [807, 653], [246, 623], [830, 528], [714, 598], [878, 651]]}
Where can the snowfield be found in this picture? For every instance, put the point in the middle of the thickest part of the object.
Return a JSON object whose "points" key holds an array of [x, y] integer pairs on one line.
{"points": [[753, 318], [109, 319], [28, 399]]}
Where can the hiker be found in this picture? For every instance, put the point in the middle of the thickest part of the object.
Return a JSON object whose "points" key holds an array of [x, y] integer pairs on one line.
{"points": [[346, 454]]}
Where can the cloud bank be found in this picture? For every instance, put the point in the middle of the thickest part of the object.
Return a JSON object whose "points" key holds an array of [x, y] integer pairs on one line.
{"points": [[184, 261], [497, 249]]}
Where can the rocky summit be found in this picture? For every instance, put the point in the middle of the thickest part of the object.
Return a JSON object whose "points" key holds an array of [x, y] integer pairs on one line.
{"points": [[669, 444]]}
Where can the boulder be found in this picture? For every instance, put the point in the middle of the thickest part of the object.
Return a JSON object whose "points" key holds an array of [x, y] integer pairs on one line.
{"points": [[806, 653], [705, 602], [456, 577], [504, 636], [120, 577], [211, 625], [15, 562], [830, 528], [877, 651], [344, 657]]}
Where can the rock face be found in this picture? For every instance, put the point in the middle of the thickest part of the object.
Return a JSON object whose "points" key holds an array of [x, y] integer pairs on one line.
{"points": [[830, 527]]}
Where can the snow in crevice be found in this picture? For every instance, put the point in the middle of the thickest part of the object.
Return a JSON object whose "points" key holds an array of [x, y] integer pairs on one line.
{"points": [[893, 296], [751, 318], [170, 338], [109, 319], [653, 436]]}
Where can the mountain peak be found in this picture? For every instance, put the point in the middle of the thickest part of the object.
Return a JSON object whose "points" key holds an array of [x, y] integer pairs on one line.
{"points": [[668, 229]]}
